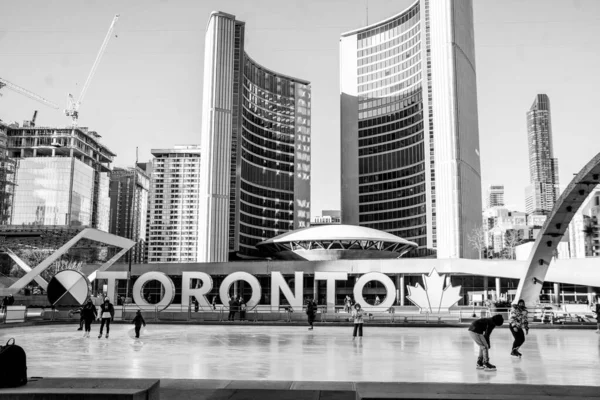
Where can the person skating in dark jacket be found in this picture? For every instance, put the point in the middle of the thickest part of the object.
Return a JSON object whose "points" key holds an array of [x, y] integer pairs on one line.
{"points": [[107, 313], [311, 311], [233, 308], [518, 323], [480, 331], [138, 320], [88, 315]]}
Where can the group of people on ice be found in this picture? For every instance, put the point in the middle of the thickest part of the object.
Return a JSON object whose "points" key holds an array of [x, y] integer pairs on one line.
{"points": [[481, 330], [89, 313]]}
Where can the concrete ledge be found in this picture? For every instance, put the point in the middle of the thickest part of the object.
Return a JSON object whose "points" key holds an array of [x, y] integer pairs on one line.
{"points": [[386, 390], [84, 389]]}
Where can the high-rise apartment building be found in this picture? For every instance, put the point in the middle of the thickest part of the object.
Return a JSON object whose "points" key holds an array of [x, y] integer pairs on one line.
{"points": [[173, 209], [543, 190], [61, 177], [128, 208], [409, 127], [494, 196], [255, 147]]}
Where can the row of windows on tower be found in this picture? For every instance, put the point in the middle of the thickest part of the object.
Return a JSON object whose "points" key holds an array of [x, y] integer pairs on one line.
{"points": [[389, 62], [395, 40], [391, 51], [395, 145], [400, 24], [376, 76]]}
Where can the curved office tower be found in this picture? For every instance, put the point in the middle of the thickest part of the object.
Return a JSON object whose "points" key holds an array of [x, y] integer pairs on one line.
{"points": [[409, 129], [255, 163]]}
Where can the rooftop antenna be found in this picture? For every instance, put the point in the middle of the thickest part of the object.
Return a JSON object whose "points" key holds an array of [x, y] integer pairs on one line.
{"points": [[367, 4]]}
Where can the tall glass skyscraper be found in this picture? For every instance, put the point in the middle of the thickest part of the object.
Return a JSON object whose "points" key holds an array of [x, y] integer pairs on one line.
{"points": [[255, 172], [543, 190], [409, 127]]}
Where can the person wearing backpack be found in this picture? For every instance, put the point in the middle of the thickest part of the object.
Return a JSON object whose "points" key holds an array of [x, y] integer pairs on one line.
{"points": [[88, 315], [107, 313]]}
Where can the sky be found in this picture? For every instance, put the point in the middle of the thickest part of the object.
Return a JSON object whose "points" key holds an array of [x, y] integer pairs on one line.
{"points": [[147, 91]]}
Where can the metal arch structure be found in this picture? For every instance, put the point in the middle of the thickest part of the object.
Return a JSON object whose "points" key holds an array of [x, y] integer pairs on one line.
{"points": [[554, 229], [88, 233]]}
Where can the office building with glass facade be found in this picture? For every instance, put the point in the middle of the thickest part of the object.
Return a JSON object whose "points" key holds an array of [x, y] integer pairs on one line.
{"points": [[409, 127], [61, 177], [173, 206], [543, 190], [255, 148], [128, 208]]}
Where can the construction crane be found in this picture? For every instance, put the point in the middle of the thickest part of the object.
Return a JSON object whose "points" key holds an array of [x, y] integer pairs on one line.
{"points": [[25, 92], [72, 105]]}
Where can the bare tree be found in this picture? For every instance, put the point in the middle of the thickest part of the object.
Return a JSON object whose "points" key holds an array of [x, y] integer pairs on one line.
{"points": [[512, 238], [33, 257], [477, 240]]}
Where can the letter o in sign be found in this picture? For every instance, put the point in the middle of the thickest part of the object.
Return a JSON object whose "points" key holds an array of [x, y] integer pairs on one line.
{"points": [[389, 287], [167, 283], [240, 276]]}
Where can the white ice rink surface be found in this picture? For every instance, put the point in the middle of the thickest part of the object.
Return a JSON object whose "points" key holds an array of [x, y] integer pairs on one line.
{"points": [[558, 357]]}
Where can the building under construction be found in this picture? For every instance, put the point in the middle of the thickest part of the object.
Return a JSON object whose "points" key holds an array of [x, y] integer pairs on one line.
{"points": [[62, 176], [7, 177]]}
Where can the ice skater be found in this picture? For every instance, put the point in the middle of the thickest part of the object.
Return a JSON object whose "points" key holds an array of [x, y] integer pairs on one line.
{"points": [[242, 309], [311, 310], [80, 312], [518, 323], [138, 320], [107, 313], [596, 311], [88, 315], [233, 306], [357, 316], [480, 331]]}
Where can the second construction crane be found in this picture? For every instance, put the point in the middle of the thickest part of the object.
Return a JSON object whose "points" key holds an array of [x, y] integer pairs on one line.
{"points": [[72, 105]]}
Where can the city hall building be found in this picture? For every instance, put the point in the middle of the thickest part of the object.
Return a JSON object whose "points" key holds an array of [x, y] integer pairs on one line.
{"points": [[409, 127], [255, 161]]}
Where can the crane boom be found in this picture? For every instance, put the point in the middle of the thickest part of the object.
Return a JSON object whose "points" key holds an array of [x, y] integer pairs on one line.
{"points": [[72, 105], [98, 57], [25, 92]]}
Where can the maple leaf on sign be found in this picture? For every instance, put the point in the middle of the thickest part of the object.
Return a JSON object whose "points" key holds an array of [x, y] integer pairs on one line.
{"points": [[434, 298]]}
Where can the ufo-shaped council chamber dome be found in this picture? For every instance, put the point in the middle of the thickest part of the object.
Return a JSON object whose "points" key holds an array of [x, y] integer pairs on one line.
{"points": [[335, 242]]}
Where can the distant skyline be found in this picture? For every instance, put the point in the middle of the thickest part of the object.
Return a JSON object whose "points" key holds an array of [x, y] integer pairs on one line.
{"points": [[147, 91]]}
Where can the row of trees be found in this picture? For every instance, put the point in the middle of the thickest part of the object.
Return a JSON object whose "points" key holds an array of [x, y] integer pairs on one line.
{"points": [[512, 238]]}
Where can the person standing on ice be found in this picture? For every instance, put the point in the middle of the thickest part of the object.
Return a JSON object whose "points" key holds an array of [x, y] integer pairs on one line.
{"points": [[517, 323], [311, 311], [596, 311], [88, 315], [357, 316], [480, 331], [138, 320], [107, 312]]}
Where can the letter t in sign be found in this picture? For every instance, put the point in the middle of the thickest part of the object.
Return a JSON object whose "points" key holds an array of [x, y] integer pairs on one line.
{"points": [[331, 277]]}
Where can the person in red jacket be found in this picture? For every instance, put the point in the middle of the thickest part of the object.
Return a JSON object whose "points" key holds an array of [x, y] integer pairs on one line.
{"points": [[480, 331]]}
